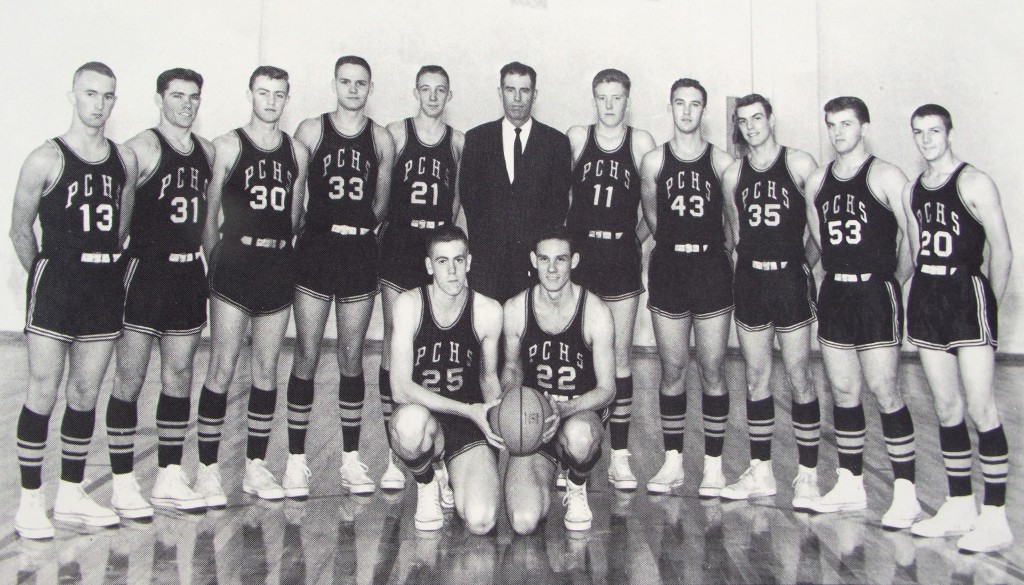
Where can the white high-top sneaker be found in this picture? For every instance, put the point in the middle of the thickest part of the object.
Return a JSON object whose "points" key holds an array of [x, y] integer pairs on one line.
{"points": [[260, 482], [428, 506], [208, 486], [991, 532], [757, 481], [905, 509], [444, 481], [847, 494], [75, 506], [956, 516], [295, 482], [393, 478], [172, 491], [619, 473], [714, 480], [353, 474], [577, 509], [31, 521], [669, 476], [127, 498], [805, 488]]}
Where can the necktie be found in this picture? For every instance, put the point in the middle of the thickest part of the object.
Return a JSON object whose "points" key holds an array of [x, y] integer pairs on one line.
{"points": [[517, 155]]}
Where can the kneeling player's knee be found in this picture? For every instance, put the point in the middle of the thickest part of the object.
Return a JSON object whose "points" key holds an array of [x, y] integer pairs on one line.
{"points": [[580, 439], [524, 521], [480, 518], [411, 429]]}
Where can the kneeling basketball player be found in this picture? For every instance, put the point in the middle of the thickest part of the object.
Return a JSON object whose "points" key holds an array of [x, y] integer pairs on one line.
{"points": [[444, 376], [559, 339]]}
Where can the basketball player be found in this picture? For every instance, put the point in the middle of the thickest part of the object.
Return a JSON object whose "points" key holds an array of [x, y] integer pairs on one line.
{"points": [[258, 178], [603, 219], [954, 213], [559, 340], [80, 186], [445, 379], [855, 215], [337, 264], [691, 282], [774, 294], [423, 198]]}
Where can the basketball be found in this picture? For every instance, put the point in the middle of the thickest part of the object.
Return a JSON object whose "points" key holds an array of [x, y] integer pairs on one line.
{"points": [[519, 419]]}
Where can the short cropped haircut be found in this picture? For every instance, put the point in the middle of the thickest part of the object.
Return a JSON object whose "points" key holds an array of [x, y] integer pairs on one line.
{"points": [[95, 67], [611, 76], [517, 68], [846, 102], [271, 72], [747, 100], [687, 82], [353, 60], [177, 74], [559, 232], [446, 232], [436, 69], [934, 110]]}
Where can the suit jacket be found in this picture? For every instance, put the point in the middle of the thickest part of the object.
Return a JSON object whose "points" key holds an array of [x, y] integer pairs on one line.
{"points": [[504, 219]]}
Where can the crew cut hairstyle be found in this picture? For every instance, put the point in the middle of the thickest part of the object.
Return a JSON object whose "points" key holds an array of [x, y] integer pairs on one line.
{"points": [[846, 102], [95, 67], [559, 232], [436, 69], [353, 60], [611, 76], [271, 72], [517, 68], [747, 100], [446, 232], [177, 74], [687, 82], [934, 110]]}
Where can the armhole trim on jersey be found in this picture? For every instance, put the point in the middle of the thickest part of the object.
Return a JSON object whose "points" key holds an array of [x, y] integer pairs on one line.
{"points": [[159, 158], [817, 191], [472, 319], [960, 196], [60, 171], [784, 154], [234, 163], [423, 306], [583, 317], [867, 182]]}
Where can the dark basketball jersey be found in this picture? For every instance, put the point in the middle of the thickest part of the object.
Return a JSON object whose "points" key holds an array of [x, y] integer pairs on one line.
{"points": [[561, 364], [342, 179], [447, 359], [257, 196], [423, 180], [605, 188], [81, 210], [772, 213], [858, 232], [689, 202], [170, 206], [950, 234]]}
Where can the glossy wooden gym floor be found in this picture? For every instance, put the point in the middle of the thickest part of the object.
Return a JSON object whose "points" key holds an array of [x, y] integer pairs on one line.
{"points": [[637, 538]]}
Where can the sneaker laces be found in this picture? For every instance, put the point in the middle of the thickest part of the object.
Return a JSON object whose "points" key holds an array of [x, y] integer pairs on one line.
{"points": [[746, 477], [574, 493], [434, 500], [353, 462]]}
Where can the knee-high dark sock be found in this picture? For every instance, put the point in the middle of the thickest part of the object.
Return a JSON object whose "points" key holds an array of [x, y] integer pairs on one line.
{"points": [[761, 427], [578, 471], [172, 415], [122, 418], [261, 421], [351, 392], [995, 465], [622, 412], [716, 416], [898, 428], [420, 467], [955, 443], [673, 420], [33, 429], [75, 435], [387, 403], [212, 407], [807, 428], [850, 431], [300, 405]]}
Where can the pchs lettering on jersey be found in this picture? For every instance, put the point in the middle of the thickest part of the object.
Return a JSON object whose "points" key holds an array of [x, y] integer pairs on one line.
{"points": [[438, 353], [428, 167], [346, 159], [545, 351], [90, 185], [689, 181], [606, 168], [273, 171], [845, 206], [934, 212], [182, 177], [763, 190]]}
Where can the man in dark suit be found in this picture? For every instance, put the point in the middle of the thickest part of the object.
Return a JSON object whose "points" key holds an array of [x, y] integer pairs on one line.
{"points": [[514, 185]]}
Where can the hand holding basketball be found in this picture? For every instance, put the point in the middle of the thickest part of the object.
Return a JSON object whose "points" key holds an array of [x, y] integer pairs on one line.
{"points": [[522, 420]]}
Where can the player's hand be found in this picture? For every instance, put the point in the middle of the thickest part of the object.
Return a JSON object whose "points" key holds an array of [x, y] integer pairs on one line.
{"points": [[552, 422], [480, 413]]}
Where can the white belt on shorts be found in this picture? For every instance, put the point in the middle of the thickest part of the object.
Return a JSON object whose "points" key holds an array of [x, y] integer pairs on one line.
{"points": [[769, 265], [264, 242], [189, 257], [349, 230], [937, 270], [558, 397], [426, 224], [691, 248], [605, 235], [841, 277], [99, 257]]}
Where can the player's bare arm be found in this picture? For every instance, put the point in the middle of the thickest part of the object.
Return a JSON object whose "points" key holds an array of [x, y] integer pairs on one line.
{"points": [[982, 198], [599, 333], [386, 160], [801, 165], [487, 322], [299, 186], [887, 181], [913, 230], [37, 174], [458, 144], [643, 143], [228, 149], [131, 167], [730, 177], [146, 147], [650, 166], [813, 185], [514, 319], [397, 131]]}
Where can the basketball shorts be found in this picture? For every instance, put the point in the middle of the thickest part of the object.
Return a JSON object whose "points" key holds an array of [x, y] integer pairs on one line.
{"points": [[948, 312], [403, 251], [165, 298], [689, 285], [609, 268], [70, 300], [553, 453], [779, 294], [258, 281], [342, 268], [857, 311], [460, 435]]}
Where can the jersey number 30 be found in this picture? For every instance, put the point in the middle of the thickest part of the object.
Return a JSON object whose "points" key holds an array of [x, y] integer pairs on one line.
{"points": [[277, 197]]}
